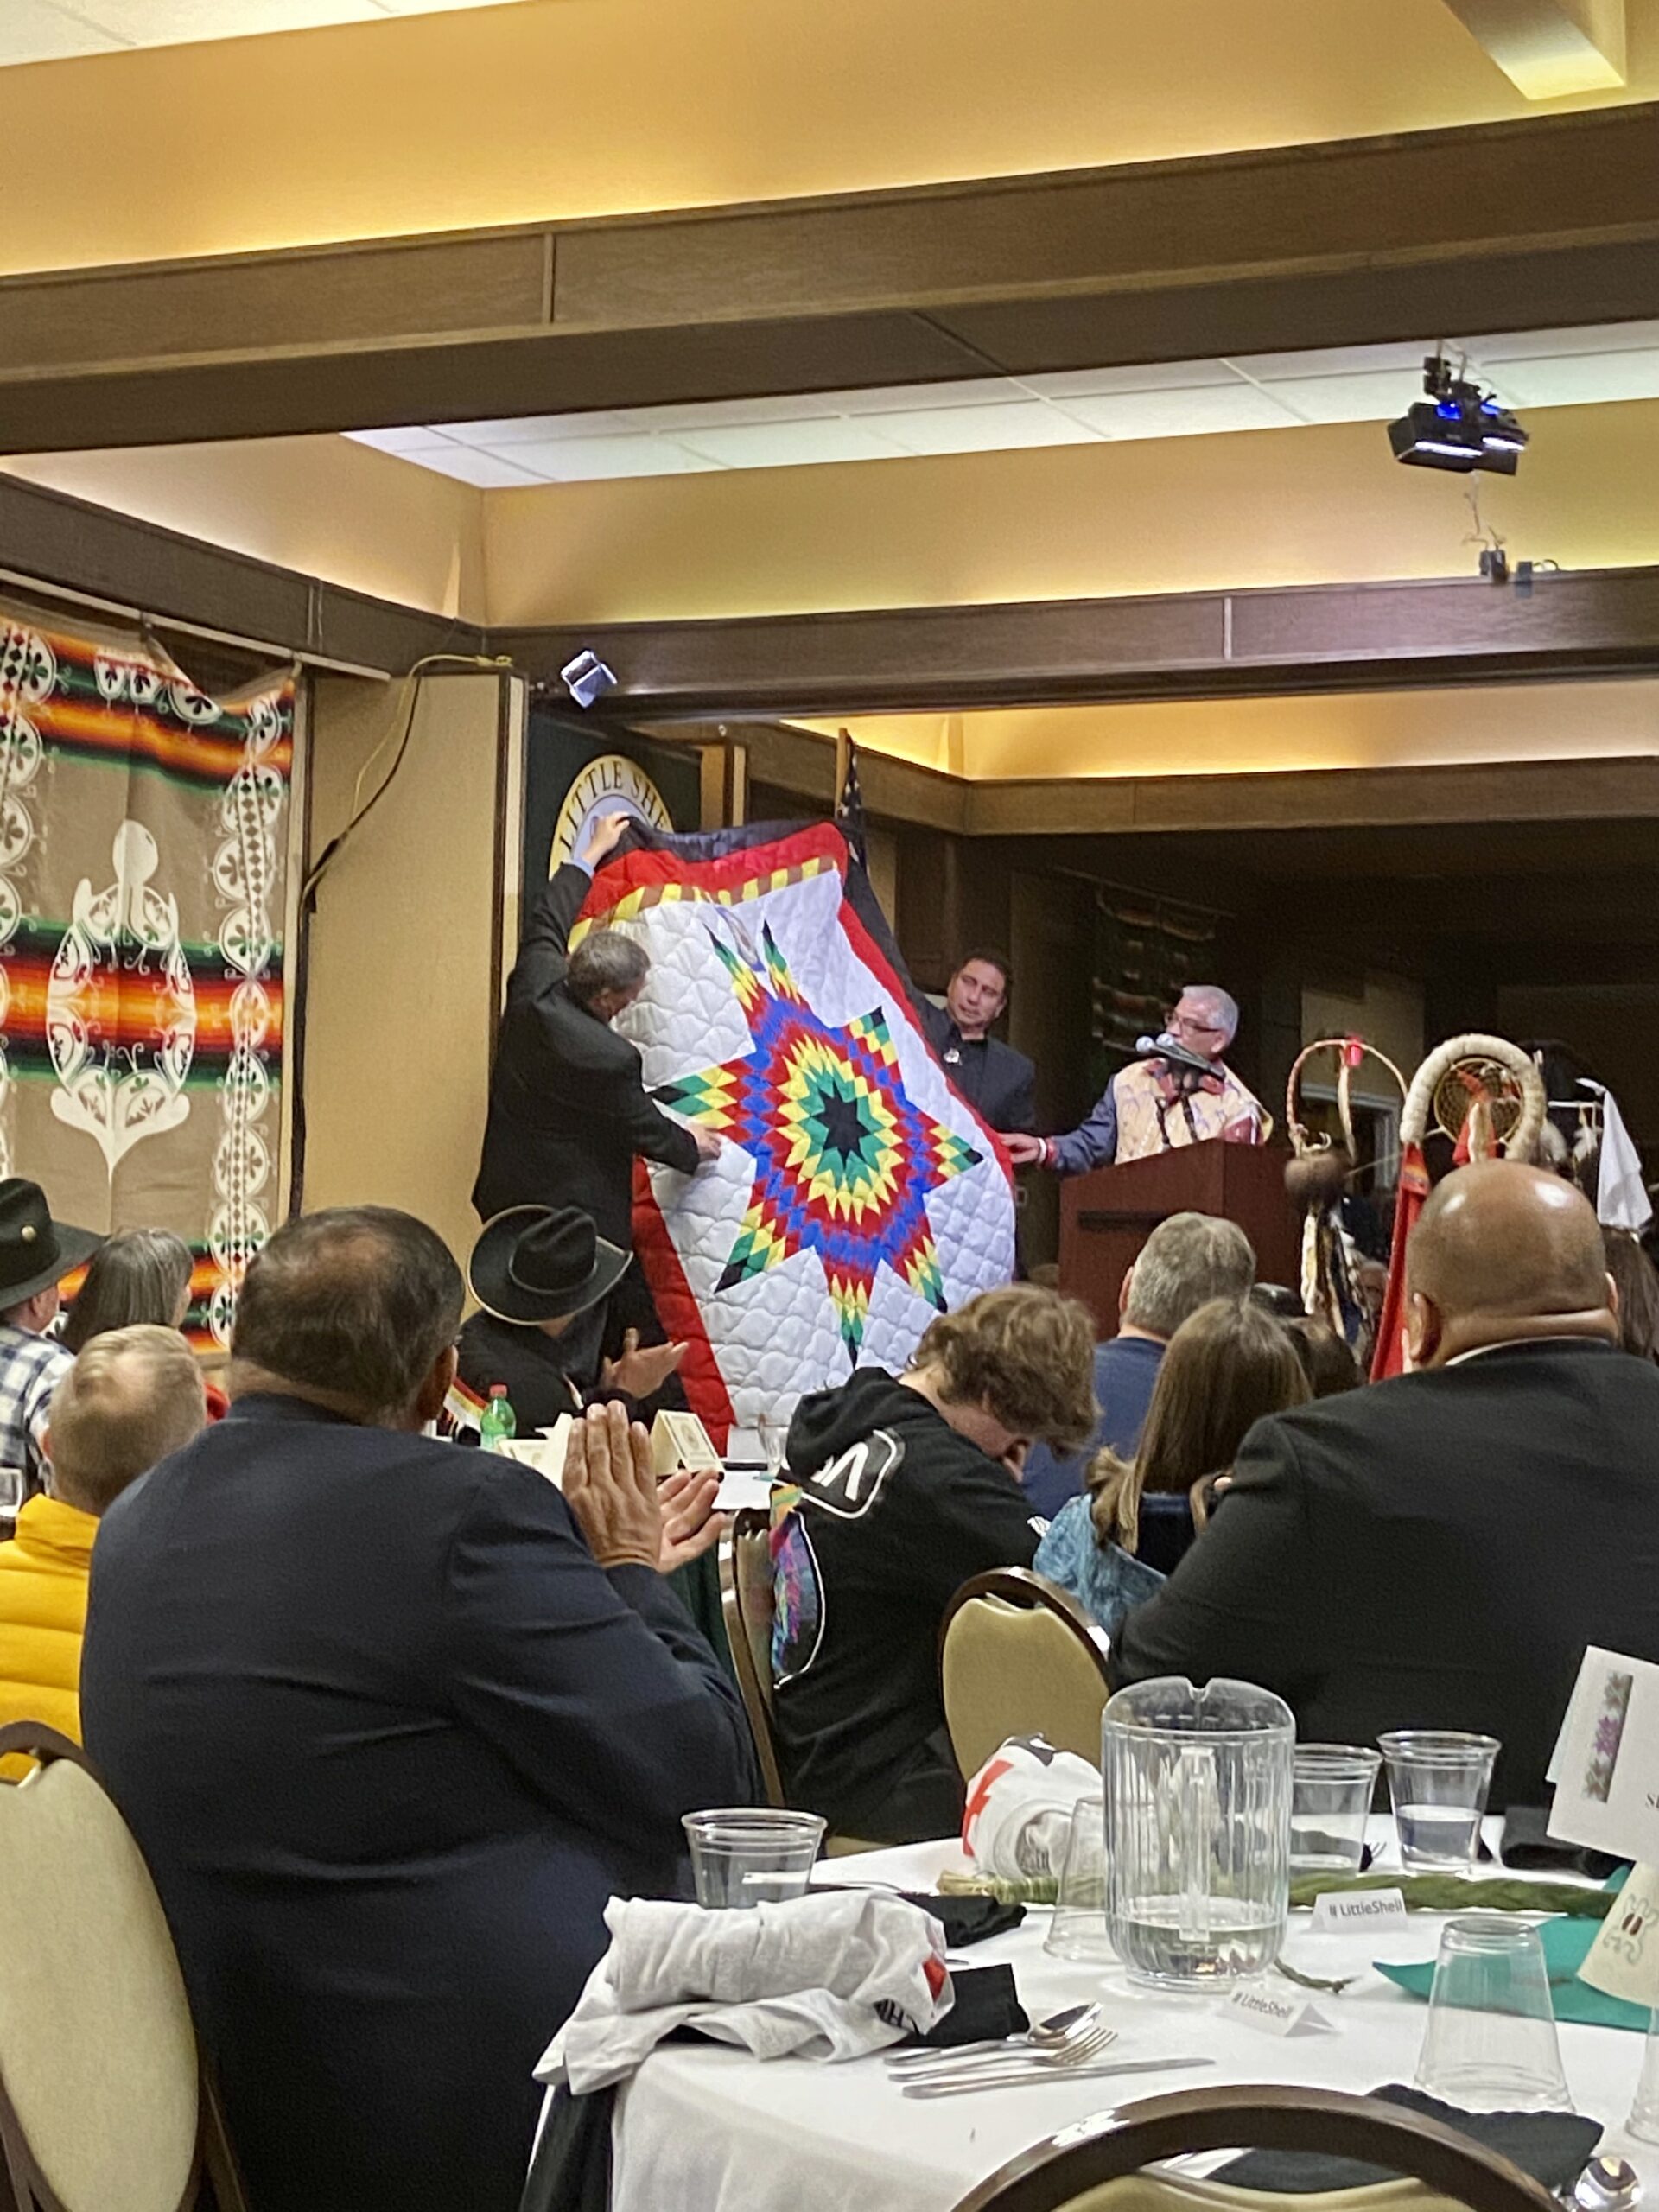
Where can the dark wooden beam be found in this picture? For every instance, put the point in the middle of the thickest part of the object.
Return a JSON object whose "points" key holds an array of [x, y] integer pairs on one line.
{"points": [[1552, 220], [1193, 644]]}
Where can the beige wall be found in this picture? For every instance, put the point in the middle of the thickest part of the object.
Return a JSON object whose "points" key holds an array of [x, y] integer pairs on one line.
{"points": [[1320, 505], [1611, 718], [576, 107], [325, 506], [398, 1016], [1387, 1014]]}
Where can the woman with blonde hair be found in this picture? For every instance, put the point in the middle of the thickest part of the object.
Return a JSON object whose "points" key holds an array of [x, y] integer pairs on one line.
{"points": [[1226, 1367]]}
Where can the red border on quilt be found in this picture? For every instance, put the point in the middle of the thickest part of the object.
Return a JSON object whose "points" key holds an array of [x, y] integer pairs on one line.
{"points": [[676, 1308]]}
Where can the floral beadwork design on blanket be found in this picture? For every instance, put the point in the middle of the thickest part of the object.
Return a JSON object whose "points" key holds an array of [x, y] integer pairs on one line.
{"points": [[1609, 1734]]}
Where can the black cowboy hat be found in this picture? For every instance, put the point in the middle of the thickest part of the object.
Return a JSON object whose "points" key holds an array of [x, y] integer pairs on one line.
{"points": [[35, 1251], [540, 1263]]}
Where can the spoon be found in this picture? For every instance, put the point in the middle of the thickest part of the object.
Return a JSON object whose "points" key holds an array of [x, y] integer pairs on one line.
{"points": [[1060, 2031]]}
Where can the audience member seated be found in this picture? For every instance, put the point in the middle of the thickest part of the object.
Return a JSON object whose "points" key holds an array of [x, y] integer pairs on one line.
{"points": [[1327, 1361], [1637, 1282], [136, 1275], [390, 1722], [1436, 1551], [901, 1490], [1187, 1260], [541, 1275], [127, 1401], [35, 1254], [1225, 1368]]}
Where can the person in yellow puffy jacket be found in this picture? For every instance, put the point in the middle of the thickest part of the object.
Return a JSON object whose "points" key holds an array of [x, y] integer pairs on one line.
{"points": [[132, 1396]]}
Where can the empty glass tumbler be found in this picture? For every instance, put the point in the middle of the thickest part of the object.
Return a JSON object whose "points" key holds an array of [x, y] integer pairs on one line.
{"points": [[1198, 1829], [743, 1856], [1331, 1801], [1078, 1929], [1644, 2122], [1491, 2043], [1437, 1779]]}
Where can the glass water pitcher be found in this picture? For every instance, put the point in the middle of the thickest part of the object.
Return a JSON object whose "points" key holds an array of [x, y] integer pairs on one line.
{"points": [[1198, 1787]]}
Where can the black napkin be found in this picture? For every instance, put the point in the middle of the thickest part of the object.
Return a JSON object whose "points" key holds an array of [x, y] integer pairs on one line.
{"points": [[968, 1920], [571, 2170], [1530, 1848], [987, 2008], [1553, 2148]]}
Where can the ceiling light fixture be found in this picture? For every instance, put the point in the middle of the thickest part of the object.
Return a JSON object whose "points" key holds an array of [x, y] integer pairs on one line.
{"points": [[1457, 426]]}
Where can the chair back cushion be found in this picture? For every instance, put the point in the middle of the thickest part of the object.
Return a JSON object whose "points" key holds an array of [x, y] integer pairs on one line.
{"points": [[98, 2054], [746, 1590], [1008, 1669]]}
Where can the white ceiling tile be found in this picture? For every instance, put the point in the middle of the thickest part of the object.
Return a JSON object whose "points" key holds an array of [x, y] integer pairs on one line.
{"points": [[1375, 397], [972, 391], [1147, 376], [788, 445], [1596, 338], [1182, 414], [414, 439], [1406, 359], [34, 30], [580, 461], [535, 430], [981, 429], [471, 466], [717, 414], [1584, 379], [170, 22]]}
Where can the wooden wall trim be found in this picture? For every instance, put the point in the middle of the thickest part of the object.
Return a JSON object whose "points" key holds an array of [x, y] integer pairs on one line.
{"points": [[1355, 241]]}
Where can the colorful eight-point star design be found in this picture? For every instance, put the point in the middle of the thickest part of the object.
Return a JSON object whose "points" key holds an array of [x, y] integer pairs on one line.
{"points": [[844, 1159]]}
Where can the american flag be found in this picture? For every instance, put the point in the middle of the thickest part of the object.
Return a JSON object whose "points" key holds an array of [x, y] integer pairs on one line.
{"points": [[849, 796]]}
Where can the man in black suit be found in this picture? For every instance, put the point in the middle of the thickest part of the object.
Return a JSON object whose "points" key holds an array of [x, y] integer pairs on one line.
{"points": [[390, 1722], [568, 1110], [1436, 1551], [995, 1080]]}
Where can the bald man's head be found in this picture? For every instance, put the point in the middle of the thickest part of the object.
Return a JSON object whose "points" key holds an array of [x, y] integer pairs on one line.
{"points": [[1504, 1251]]}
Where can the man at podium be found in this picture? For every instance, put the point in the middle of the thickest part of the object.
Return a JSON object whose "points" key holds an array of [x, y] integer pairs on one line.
{"points": [[1182, 1093]]}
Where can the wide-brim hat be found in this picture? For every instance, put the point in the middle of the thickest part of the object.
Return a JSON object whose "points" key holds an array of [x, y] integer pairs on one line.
{"points": [[542, 1263], [35, 1251]]}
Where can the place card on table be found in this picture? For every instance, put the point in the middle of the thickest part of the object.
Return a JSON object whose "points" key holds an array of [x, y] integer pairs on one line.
{"points": [[1338, 1912], [1623, 1960], [545, 1451], [1606, 1763], [679, 1441], [1269, 2014]]}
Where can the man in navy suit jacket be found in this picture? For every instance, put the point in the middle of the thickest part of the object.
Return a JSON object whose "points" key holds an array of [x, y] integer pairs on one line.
{"points": [[390, 1722]]}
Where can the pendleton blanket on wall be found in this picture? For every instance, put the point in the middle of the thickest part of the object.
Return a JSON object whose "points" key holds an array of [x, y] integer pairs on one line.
{"points": [[142, 844], [857, 1194]]}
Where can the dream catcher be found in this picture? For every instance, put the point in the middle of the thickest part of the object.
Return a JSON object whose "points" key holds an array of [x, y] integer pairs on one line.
{"points": [[1487, 1096], [1316, 1176]]}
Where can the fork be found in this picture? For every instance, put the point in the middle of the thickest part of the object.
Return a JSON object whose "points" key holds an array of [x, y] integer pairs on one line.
{"points": [[972, 2065], [1030, 2072]]}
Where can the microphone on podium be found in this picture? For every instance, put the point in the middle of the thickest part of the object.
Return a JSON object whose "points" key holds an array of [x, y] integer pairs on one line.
{"points": [[1174, 1053]]}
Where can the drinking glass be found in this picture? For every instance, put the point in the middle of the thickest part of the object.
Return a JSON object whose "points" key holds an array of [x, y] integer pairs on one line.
{"points": [[773, 1430], [12, 1494], [743, 1855], [1079, 1927], [1644, 2122], [1332, 1786], [1198, 1829], [1491, 2043], [1438, 1780]]}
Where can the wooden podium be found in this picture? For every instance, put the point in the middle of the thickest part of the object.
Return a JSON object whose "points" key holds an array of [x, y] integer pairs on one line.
{"points": [[1106, 1217]]}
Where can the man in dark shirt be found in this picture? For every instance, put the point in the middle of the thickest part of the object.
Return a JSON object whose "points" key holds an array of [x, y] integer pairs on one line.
{"points": [[541, 1275], [1188, 1260], [900, 1490], [995, 1080], [568, 1108], [390, 1722], [1437, 1550]]}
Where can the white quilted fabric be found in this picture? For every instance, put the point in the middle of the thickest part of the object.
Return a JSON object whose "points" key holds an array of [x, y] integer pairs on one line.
{"points": [[776, 1336]]}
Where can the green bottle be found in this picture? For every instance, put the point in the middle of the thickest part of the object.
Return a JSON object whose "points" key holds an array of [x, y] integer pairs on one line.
{"points": [[497, 1423]]}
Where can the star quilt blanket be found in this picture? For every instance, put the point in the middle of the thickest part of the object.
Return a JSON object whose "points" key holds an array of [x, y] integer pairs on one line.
{"points": [[857, 1194]]}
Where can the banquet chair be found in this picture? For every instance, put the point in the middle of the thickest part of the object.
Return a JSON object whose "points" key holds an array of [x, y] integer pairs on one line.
{"points": [[746, 1598], [1019, 1656], [1098, 2166], [104, 2100]]}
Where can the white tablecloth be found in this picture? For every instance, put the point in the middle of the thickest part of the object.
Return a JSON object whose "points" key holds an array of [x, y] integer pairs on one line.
{"points": [[711, 2130]]}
